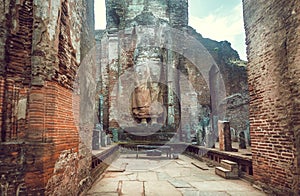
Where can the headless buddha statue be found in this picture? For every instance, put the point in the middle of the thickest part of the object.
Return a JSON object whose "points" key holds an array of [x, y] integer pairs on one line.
{"points": [[146, 105]]}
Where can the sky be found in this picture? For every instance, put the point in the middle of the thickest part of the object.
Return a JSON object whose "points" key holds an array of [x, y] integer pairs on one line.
{"points": [[215, 19]]}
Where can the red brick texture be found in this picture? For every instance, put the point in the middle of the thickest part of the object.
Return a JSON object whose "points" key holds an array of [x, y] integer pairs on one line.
{"points": [[1, 104], [40, 148], [51, 130], [272, 30]]}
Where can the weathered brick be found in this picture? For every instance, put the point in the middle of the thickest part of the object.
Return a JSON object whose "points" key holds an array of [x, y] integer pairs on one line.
{"points": [[42, 53], [273, 47]]}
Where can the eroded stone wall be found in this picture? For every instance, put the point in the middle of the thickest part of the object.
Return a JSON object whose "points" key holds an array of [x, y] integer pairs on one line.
{"points": [[272, 30], [120, 44], [234, 75], [41, 47]]}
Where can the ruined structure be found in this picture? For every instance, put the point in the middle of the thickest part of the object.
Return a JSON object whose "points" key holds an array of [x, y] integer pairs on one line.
{"points": [[272, 30], [44, 151], [41, 47], [174, 87]]}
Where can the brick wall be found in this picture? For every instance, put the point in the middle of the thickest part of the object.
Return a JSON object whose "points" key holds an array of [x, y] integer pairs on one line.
{"points": [[51, 139], [1, 104], [272, 30], [43, 45]]}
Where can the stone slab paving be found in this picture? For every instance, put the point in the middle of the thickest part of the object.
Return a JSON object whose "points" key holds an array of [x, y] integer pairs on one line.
{"points": [[147, 176], [155, 176], [179, 183], [132, 188], [161, 188]]}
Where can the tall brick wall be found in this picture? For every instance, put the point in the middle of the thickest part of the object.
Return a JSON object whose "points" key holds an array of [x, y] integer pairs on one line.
{"points": [[41, 47], [273, 41]]}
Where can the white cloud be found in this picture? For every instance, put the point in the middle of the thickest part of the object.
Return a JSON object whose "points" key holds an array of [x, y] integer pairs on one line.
{"points": [[100, 14], [217, 27]]}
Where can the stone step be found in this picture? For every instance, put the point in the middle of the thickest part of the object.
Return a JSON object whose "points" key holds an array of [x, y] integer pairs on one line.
{"points": [[230, 165], [225, 173], [222, 172]]}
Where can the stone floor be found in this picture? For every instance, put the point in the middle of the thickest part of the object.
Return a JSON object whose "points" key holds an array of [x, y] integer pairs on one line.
{"points": [[159, 176]]}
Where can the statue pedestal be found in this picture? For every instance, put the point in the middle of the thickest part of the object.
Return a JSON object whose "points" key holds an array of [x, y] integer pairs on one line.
{"points": [[144, 121]]}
